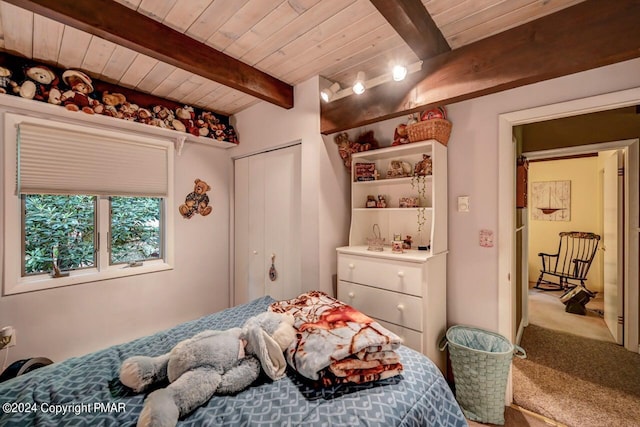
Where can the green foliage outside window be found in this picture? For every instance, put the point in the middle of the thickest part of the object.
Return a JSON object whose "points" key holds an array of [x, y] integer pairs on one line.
{"points": [[61, 224], [135, 229], [63, 227]]}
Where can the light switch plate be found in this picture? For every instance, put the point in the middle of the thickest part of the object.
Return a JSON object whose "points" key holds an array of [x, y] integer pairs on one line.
{"points": [[463, 204]]}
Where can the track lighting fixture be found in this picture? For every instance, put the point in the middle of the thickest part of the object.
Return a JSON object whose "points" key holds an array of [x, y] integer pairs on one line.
{"points": [[399, 72]]}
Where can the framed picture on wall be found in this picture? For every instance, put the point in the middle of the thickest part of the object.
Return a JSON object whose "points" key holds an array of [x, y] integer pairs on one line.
{"points": [[551, 201]]}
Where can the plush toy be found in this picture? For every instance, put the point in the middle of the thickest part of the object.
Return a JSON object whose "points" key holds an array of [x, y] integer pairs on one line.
{"points": [[40, 84], [112, 101], [211, 362], [400, 135], [185, 120], [346, 147], [6, 83], [197, 201], [164, 117], [77, 98]]}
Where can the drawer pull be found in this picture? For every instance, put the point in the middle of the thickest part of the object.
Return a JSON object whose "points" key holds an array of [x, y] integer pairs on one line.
{"points": [[400, 273], [352, 266], [351, 294], [400, 307]]}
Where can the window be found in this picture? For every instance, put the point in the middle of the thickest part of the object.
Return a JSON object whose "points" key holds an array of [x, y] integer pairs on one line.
{"points": [[135, 229], [83, 204], [58, 230]]}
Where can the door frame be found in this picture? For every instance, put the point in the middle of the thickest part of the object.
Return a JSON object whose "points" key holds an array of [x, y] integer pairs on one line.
{"points": [[507, 211]]}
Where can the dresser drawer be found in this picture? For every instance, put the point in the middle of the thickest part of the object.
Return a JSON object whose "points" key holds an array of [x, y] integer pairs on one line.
{"points": [[398, 276], [410, 338], [400, 309]]}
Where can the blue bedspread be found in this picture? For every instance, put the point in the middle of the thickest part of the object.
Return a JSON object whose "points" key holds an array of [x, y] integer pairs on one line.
{"points": [[85, 391]]}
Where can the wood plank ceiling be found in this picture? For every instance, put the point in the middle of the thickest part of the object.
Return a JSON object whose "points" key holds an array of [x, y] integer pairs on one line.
{"points": [[289, 40]]}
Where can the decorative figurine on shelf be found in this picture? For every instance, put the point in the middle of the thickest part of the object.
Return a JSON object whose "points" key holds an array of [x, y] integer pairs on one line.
{"points": [[381, 203], [400, 135], [396, 247], [346, 147], [398, 169], [197, 201], [77, 98], [423, 167], [406, 244], [371, 201]]}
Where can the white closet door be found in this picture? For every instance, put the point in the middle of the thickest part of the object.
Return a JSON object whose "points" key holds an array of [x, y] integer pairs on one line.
{"points": [[267, 223]]}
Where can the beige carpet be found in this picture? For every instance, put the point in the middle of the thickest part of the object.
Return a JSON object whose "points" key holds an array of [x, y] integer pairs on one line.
{"points": [[577, 381], [519, 417], [546, 310]]}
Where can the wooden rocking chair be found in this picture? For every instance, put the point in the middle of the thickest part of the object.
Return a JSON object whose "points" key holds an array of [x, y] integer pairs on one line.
{"points": [[572, 261]]}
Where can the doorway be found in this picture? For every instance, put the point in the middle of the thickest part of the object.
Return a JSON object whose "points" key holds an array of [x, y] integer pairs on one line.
{"points": [[594, 188], [506, 207]]}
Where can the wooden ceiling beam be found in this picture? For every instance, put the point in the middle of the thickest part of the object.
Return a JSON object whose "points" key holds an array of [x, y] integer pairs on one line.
{"points": [[121, 25], [588, 35], [413, 23]]}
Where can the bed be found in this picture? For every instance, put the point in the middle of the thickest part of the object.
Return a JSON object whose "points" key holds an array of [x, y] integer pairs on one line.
{"points": [[86, 391]]}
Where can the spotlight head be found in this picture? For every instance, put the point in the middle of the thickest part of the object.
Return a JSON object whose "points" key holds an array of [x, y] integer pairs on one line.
{"points": [[359, 86], [399, 72], [328, 93]]}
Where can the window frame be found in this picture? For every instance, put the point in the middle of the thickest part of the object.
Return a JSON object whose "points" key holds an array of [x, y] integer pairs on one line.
{"points": [[13, 281]]}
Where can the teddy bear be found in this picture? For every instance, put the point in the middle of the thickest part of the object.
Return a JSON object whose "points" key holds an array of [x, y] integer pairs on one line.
{"points": [[111, 102], [77, 97], [163, 117], [185, 120], [400, 135], [40, 84], [197, 201], [347, 147], [6, 83], [423, 167], [211, 362], [128, 111]]}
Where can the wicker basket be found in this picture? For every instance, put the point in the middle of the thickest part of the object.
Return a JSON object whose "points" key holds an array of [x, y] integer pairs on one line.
{"points": [[480, 361], [438, 129]]}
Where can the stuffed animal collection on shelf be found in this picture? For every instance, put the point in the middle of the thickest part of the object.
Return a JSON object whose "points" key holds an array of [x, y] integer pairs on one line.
{"points": [[76, 92]]}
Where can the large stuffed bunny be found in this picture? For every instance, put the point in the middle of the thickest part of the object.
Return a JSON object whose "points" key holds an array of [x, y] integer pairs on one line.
{"points": [[220, 362]]}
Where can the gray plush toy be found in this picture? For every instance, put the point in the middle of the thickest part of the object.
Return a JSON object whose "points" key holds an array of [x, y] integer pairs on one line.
{"points": [[211, 362]]}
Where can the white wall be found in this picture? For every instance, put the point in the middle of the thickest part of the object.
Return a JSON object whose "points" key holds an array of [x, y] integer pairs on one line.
{"points": [[70, 321], [473, 171], [325, 206]]}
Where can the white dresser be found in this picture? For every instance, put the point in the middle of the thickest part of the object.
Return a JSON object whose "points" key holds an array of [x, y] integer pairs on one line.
{"points": [[405, 292]]}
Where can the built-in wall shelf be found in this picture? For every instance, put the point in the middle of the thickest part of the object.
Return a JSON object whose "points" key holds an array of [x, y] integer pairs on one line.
{"points": [[29, 107]]}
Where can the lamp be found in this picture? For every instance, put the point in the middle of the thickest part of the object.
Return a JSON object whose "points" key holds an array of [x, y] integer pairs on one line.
{"points": [[330, 92], [359, 85]]}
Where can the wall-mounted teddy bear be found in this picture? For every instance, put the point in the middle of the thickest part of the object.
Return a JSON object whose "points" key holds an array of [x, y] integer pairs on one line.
{"points": [[197, 201]]}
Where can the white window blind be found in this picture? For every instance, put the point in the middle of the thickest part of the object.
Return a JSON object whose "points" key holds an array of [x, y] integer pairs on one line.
{"points": [[58, 158]]}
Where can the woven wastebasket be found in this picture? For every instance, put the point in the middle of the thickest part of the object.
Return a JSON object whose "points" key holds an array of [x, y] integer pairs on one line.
{"points": [[480, 361]]}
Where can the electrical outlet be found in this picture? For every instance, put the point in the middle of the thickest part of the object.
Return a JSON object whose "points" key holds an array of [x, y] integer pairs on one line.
{"points": [[7, 337]]}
